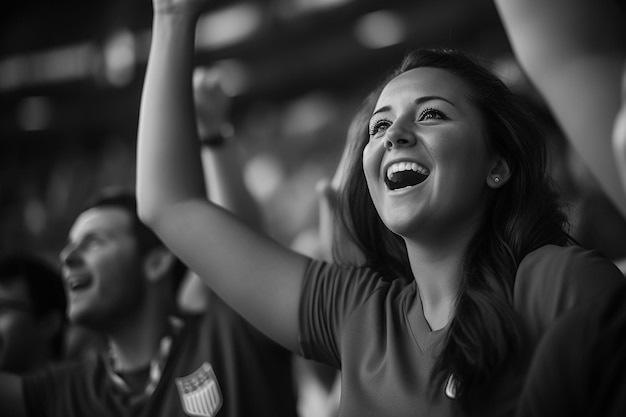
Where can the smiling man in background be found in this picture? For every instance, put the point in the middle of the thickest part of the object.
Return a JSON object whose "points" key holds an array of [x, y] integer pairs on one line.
{"points": [[123, 283]]}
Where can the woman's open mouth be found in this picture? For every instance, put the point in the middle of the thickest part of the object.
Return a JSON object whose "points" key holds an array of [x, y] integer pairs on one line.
{"points": [[405, 174]]}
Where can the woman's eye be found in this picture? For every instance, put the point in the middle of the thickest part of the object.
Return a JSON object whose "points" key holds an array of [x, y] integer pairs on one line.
{"points": [[431, 114], [379, 127]]}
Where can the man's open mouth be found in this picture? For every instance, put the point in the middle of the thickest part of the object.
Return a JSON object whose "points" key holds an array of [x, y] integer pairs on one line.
{"points": [[77, 282]]}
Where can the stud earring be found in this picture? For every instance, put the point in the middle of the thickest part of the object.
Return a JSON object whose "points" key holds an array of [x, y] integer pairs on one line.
{"points": [[496, 179]]}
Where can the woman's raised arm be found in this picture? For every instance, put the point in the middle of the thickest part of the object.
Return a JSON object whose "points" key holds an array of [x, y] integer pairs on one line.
{"points": [[574, 51], [258, 277]]}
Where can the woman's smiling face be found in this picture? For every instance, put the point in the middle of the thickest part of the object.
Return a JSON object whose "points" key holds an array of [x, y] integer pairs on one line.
{"points": [[427, 159]]}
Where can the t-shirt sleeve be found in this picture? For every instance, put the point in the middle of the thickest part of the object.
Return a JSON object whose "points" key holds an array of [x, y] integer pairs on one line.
{"points": [[330, 294], [553, 279]]}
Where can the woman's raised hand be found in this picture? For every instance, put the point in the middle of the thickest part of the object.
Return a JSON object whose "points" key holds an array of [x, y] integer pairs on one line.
{"points": [[192, 7]]}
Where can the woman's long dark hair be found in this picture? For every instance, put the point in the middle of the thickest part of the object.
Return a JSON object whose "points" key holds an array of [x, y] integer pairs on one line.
{"points": [[523, 215]]}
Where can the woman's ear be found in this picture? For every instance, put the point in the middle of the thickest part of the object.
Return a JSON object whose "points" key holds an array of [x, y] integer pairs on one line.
{"points": [[499, 174], [158, 263]]}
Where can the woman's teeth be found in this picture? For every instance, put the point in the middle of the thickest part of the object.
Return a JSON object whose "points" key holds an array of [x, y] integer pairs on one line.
{"points": [[405, 174]]}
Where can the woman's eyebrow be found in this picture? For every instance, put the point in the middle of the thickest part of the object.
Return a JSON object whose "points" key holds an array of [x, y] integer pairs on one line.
{"points": [[382, 109], [429, 98], [420, 100]]}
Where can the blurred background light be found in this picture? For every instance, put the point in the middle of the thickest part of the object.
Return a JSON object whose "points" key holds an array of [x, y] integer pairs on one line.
{"points": [[263, 174], [71, 63], [508, 69], [53, 66], [309, 114], [380, 29], [228, 26], [294, 8], [234, 76], [119, 58]]}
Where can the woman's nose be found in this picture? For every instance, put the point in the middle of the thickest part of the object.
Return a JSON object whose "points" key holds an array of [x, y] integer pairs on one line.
{"points": [[400, 134]]}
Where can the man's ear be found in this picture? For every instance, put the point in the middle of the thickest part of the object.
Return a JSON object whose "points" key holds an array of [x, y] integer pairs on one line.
{"points": [[158, 263], [499, 174]]}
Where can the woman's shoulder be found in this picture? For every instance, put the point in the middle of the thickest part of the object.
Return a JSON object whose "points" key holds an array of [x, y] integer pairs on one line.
{"points": [[557, 250], [554, 257], [555, 254], [553, 265], [552, 279]]}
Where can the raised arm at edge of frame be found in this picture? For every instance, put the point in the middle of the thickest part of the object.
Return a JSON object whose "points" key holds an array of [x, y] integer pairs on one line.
{"points": [[573, 51]]}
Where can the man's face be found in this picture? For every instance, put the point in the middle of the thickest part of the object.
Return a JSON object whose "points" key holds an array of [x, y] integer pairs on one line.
{"points": [[20, 333], [102, 269]]}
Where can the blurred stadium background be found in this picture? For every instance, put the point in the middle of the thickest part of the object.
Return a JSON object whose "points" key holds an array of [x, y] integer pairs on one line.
{"points": [[70, 80]]}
